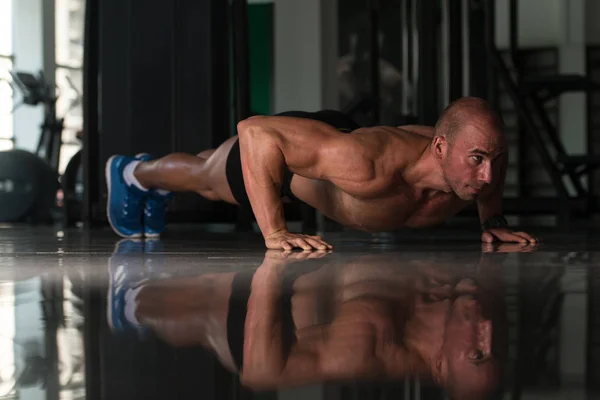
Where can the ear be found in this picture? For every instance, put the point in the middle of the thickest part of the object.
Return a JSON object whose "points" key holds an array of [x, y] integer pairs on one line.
{"points": [[440, 145], [437, 369]]}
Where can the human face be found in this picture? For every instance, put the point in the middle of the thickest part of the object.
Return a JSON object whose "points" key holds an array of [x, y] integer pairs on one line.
{"points": [[469, 366], [470, 163]]}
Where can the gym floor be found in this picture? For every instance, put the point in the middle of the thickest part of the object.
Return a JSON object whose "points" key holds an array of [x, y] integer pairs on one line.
{"points": [[55, 340]]}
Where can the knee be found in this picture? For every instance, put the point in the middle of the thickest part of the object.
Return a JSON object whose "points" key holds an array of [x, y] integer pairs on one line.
{"points": [[209, 194]]}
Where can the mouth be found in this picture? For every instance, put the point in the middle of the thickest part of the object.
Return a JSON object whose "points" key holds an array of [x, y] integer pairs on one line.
{"points": [[474, 190]]}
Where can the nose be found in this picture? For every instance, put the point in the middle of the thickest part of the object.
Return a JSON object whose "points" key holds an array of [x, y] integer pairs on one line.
{"points": [[485, 174]]}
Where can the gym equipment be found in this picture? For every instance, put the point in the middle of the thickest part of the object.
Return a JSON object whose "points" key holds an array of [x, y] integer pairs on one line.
{"points": [[28, 181], [28, 187], [36, 91], [529, 95], [72, 186]]}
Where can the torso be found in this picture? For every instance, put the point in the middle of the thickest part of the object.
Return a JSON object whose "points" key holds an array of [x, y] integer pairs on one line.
{"points": [[371, 307], [395, 203]]}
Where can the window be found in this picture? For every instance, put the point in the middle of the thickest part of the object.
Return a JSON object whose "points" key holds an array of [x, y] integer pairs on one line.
{"points": [[6, 63], [70, 21], [7, 312], [7, 343]]}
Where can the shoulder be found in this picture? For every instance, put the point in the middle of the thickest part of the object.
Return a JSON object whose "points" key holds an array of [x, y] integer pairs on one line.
{"points": [[396, 146], [421, 130], [377, 144], [382, 136]]}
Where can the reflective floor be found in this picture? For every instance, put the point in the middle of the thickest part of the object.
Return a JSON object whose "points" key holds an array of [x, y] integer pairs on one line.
{"points": [[414, 315]]}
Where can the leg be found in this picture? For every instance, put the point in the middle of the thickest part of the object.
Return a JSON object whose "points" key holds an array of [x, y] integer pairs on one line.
{"points": [[181, 172], [189, 312], [138, 188]]}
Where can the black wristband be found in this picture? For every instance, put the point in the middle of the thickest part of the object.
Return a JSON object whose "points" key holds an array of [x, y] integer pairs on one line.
{"points": [[495, 221]]}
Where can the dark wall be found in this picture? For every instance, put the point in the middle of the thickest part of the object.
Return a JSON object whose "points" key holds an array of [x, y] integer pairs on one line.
{"points": [[161, 74]]}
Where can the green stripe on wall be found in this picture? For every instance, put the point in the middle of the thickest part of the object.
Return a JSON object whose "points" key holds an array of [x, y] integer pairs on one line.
{"points": [[260, 18]]}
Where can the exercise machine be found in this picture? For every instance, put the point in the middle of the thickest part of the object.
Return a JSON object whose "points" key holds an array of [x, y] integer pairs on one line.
{"points": [[29, 181]]}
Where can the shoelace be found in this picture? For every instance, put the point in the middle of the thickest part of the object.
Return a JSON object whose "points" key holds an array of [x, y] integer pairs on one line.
{"points": [[154, 202], [129, 204]]}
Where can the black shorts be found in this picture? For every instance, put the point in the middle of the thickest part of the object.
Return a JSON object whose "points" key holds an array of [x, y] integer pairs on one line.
{"points": [[235, 178]]}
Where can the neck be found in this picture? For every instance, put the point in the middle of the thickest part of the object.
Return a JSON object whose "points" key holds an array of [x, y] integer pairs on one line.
{"points": [[425, 331], [426, 173]]}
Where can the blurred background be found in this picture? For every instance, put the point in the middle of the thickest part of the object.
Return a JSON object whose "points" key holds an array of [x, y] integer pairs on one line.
{"points": [[81, 80]]}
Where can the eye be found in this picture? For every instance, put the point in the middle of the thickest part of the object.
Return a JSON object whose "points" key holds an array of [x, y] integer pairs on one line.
{"points": [[477, 159], [477, 355]]}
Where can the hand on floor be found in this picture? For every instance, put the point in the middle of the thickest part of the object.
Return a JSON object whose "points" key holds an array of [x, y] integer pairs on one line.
{"points": [[506, 235], [287, 241], [509, 247]]}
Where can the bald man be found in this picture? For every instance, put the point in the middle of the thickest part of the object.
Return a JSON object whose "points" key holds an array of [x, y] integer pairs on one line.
{"points": [[370, 318], [370, 179]]}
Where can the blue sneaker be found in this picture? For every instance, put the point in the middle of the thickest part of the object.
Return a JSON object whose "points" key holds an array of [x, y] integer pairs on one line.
{"points": [[155, 258], [154, 214], [125, 203], [127, 271], [155, 208]]}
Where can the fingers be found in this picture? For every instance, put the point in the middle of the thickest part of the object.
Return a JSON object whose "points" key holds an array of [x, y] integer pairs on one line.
{"points": [[526, 236], [307, 255], [299, 242], [487, 237], [509, 248], [507, 236], [517, 237], [318, 243], [304, 242], [513, 237]]}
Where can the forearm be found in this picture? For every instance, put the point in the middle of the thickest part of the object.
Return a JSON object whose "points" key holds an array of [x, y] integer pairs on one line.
{"points": [[263, 164], [263, 352], [268, 364]]}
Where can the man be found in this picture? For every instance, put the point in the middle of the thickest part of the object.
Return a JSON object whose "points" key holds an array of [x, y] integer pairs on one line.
{"points": [[329, 319], [372, 179]]}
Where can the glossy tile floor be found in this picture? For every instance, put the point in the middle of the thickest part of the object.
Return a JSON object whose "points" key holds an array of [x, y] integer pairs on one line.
{"points": [[415, 315]]}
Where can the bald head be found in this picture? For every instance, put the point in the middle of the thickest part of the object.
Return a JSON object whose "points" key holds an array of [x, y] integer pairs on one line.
{"points": [[464, 112]]}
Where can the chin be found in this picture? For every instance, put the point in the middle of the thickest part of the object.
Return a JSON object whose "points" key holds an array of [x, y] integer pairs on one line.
{"points": [[468, 196]]}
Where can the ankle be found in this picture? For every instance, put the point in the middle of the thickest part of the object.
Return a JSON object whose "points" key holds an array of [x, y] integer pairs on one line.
{"points": [[131, 305], [130, 176]]}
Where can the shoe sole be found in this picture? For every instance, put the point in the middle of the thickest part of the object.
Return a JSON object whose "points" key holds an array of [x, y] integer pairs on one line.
{"points": [[109, 185], [109, 294], [146, 234]]}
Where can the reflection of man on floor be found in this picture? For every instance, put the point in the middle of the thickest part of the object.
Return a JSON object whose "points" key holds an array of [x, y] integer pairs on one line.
{"points": [[379, 320]]}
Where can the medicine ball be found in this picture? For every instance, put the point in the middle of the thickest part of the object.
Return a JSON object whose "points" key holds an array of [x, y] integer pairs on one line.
{"points": [[28, 187]]}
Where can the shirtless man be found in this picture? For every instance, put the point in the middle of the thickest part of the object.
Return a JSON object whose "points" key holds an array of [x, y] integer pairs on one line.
{"points": [[372, 179], [371, 318]]}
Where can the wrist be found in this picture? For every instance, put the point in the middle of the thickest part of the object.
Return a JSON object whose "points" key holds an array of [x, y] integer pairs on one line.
{"points": [[275, 231], [494, 222]]}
